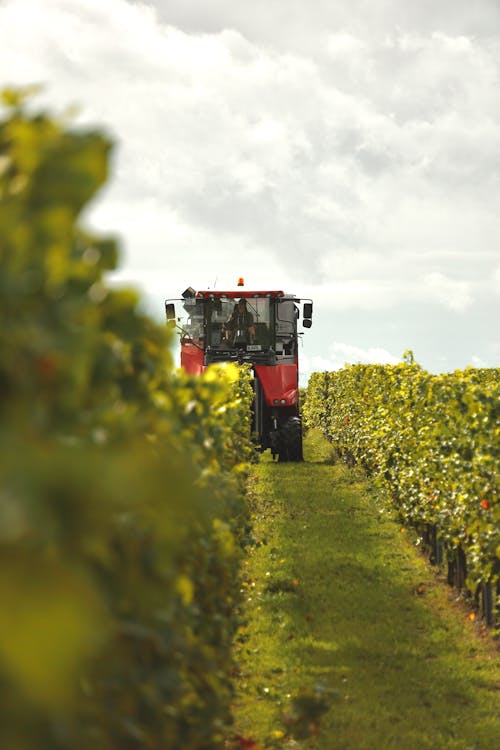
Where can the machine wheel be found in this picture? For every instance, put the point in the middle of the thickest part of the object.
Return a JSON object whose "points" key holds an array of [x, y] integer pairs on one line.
{"points": [[290, 440]]}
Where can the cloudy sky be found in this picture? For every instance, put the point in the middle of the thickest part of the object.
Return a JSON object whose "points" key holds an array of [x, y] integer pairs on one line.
{"points": [[346, 150]]}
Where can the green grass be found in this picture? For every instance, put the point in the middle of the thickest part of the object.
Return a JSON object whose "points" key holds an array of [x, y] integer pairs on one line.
{"points": [[340, 606]]}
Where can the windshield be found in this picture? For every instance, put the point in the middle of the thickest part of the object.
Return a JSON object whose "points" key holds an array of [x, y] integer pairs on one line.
{"points": [[234, 322], [257, 324]]}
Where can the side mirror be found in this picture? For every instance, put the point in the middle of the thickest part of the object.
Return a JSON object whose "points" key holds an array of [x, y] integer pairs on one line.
{"points": [[308, 312], [307, 323], [170, 313]]}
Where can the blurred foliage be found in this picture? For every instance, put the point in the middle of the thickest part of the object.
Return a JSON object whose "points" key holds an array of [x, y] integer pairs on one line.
{"points": [[431, 441], [122, 510]]}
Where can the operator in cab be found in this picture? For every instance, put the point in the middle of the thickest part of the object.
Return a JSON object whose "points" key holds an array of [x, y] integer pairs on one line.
{"points": [[239, 328]]}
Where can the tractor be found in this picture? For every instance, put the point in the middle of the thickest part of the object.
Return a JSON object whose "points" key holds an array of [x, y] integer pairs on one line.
{"points": [[258, 328]]}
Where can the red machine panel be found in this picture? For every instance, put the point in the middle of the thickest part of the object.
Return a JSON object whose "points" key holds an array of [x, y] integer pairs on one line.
{"points": [[192, 358], [279, 383]]}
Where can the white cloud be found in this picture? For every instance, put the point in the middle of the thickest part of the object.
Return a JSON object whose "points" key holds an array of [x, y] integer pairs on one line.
{"points": [[215, 126], [294, 25], [496, 279], [359, 294], [453, 294]]}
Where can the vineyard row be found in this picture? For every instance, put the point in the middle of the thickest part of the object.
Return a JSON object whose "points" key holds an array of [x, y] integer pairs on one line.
{"points": [[432, 445], [122, 509]]}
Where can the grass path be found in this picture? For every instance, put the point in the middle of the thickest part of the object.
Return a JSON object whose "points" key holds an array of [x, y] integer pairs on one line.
{"points": [[343, 614]]}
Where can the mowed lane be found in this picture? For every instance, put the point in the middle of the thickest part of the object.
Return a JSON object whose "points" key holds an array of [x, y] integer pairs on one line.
{"points": [[341, 605]]}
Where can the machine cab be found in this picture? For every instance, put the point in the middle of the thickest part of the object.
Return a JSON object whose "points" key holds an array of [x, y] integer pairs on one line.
{"points": [[257, 327]]}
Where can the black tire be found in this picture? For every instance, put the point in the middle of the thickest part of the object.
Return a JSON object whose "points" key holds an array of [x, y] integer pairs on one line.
{"points": [[290, 440]]}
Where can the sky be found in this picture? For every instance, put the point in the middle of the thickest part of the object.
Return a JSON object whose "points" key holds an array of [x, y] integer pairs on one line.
{"points": [[342, 150]]}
